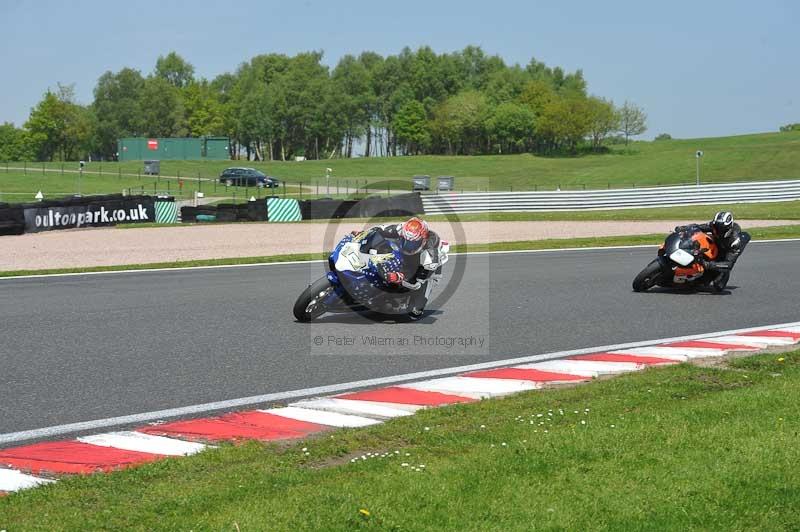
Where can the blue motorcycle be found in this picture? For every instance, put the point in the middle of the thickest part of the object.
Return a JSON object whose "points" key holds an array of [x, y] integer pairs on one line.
{"points": [[353, 284]]}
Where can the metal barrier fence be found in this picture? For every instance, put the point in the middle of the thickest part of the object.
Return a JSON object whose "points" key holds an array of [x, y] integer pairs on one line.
{"points": [[752, 192]]}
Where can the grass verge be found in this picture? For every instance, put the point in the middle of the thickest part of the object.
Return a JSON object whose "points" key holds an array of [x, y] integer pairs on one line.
{"points": [[684, 447], [727, 159], [779, 232]]}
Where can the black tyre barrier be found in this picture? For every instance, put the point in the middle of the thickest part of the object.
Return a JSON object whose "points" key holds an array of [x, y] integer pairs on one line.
{"points": [[188, 214], [12, 220], [329, 209], [75, 212], [323, 209], [252, 211], [256, 211]]}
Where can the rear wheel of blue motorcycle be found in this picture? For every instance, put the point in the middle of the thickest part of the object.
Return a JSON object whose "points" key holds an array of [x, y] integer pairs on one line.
{"points": [[310, 304]]}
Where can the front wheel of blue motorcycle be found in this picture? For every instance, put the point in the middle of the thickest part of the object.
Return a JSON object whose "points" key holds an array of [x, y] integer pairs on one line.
{"points": [[311, 303]]}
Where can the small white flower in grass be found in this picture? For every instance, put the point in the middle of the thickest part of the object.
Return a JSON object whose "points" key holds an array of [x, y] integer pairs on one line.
{"points": [[585, 409], [404, 464], [576, 411], [613, 426], [304, 449], [524, 441], [503, 444], [550, 414], [539, 415], [397, 452], [531, 422], [363, 457], [408, 454], [483, 426], [422, 466], [427, 428], [492, 445], [547, 431], [583, 422], [307, 453]]}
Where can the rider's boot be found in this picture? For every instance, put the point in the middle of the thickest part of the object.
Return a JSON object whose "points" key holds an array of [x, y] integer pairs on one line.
{"points": [[720, 282]]}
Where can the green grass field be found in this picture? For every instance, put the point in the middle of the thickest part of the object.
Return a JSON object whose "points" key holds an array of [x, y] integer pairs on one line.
{"points": [[677, 448], [727, 159]]}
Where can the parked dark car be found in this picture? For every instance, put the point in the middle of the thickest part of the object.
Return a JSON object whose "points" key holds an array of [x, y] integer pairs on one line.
{"points": [[247, 177]]}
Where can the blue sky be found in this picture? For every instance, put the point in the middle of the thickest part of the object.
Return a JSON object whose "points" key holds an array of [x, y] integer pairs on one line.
{"points": [[697, 68]]}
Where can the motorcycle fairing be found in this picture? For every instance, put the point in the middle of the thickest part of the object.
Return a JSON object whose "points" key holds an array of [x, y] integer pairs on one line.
{"points": [[689, 274]]}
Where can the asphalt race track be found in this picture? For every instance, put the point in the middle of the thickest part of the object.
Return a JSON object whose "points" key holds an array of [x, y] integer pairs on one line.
{"points": [[89, 347]]}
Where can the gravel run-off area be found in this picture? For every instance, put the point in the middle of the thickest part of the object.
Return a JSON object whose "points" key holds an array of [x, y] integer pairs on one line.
{"points": [[113, 246]]}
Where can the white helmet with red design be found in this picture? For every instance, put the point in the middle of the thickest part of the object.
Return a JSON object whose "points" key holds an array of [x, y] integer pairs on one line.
{"points": [[413, 236]]}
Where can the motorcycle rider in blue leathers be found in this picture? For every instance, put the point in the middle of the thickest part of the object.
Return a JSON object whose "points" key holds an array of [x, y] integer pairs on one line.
{"points": [[394, 254]]}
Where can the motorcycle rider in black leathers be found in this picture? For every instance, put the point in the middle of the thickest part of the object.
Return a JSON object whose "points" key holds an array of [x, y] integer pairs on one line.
{"points": [[396, 250], [731, 241]]}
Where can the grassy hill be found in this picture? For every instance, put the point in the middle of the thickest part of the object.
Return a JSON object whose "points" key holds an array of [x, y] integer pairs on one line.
{"points": [[727, 159]]}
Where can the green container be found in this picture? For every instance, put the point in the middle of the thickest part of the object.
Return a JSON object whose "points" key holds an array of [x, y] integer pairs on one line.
{"points": [[172, 149]]}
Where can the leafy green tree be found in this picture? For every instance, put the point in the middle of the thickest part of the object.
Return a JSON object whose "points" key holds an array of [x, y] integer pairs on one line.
{"points": [[536, 95], [116, 109], [459, 122], [603, 120], [506, 85], [411, 127], [352, 81], [175, 70], [511, 127], [203, 110], [161, 109], [15, 144], [564, 122], [632, 121], [58, 127]]}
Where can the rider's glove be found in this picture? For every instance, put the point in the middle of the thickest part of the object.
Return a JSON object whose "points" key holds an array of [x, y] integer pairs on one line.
{"points": [[395, 277]]}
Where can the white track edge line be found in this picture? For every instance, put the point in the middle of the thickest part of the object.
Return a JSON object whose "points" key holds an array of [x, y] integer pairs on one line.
{"points": [[145, 417], [316, 261]]}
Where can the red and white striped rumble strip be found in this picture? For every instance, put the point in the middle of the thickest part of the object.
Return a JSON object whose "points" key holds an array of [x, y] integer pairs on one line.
{"points": [[28, 466]]}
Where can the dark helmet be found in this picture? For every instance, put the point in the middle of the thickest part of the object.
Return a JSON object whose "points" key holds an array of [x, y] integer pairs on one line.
{"points": [[722, 224], [413, 236]]}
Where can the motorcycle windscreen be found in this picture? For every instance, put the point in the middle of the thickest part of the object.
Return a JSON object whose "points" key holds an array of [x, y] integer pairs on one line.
{"points": [[682, 257]]}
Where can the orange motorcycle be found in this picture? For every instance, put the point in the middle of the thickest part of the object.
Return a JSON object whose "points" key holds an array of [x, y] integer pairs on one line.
{"points": [[680, 261]]}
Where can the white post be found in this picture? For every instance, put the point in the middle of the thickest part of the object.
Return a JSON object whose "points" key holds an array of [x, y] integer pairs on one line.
{"points": [[698, 155]]}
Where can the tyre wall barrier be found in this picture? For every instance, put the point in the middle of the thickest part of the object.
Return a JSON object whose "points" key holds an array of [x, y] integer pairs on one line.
{"points": [[752, 192], [12, 220], [253, 211], [292, 210], [87, 211], [399, 205]]}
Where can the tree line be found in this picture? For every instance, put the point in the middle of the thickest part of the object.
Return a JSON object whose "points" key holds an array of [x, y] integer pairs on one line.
{"points": [[276, 107]]}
